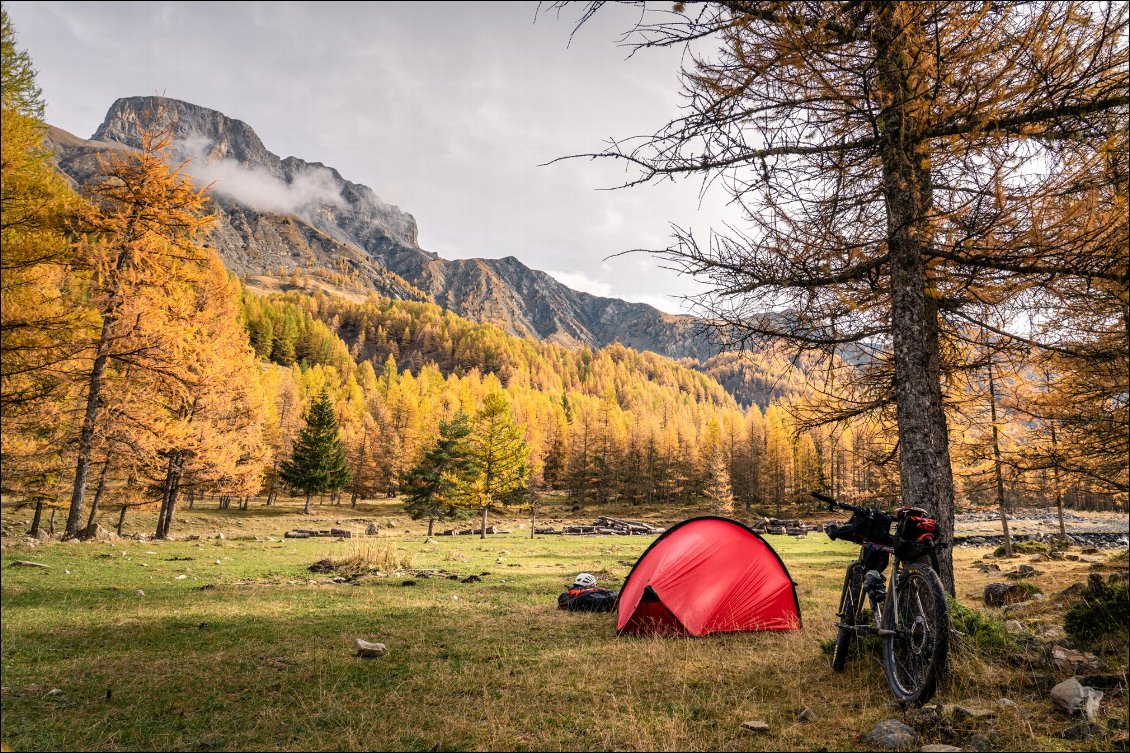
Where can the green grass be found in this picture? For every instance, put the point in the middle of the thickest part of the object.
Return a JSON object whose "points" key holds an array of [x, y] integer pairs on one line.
{"points": [[254, 651]]}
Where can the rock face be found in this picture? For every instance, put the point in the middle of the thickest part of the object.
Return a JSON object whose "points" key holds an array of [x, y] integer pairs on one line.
{"points": [[277, 215]]}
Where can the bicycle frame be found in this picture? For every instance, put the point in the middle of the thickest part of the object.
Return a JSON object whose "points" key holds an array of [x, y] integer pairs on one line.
{"points": [[876, 608]]}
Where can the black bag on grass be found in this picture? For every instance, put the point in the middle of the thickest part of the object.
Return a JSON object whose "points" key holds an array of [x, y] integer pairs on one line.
{"points": [[587, 600]]}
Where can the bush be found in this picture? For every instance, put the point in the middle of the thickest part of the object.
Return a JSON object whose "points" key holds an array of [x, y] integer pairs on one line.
{"points": [[1024, 547], [1103, 611], [365, 555], [978, 630]]}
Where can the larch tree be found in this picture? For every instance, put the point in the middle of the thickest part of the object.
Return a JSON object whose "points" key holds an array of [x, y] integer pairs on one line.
{"points": [[143, 229], [899, 165], [431, 488], [500, 458], [42, 326], [317, 464]]}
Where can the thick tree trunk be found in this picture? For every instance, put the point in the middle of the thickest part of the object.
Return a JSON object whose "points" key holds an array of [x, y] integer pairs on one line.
{"points": [[98, 493], [997, 461], [431, 525], [36, 518], [925, 474], [483, 530], [353, 499], [122, 520], [306, 510]]}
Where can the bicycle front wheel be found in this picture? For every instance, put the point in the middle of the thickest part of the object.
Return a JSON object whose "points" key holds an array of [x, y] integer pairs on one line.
{"points": [[850, 601], [915, 656]]}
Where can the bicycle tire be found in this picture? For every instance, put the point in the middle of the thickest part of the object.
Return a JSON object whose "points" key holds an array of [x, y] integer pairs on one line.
{"points": [[850, 600], [914, 659]]}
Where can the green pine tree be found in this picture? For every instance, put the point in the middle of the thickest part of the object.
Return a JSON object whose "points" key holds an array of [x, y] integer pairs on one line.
{"points": [[318, 463], [431, 487]]}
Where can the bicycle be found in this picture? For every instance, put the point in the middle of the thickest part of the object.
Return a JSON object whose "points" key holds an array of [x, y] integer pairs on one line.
{"points": [[910, 614]]}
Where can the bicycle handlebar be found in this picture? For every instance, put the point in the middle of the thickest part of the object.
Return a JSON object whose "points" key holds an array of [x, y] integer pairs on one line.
{"points": [[833, 503]]}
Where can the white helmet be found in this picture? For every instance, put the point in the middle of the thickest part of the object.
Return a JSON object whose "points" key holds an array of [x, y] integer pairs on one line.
{"points": [[584, 580]]}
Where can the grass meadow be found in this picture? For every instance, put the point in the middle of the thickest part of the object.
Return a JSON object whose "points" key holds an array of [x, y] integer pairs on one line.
{"points": [[232, 643]]}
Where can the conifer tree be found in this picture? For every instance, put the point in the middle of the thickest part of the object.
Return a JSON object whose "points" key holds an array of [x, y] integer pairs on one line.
{"points": [[500, 457], [318, 464], [432, 487], [143, 226]]}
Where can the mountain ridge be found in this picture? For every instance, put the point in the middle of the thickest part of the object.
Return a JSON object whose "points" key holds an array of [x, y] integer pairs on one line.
{"points": [[277, 215]]}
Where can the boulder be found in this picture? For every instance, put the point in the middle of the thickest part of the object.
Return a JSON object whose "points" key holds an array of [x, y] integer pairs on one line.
{"points": [[999, 594], [1068, 661], [891, 734], [367, 650], [372, 529], [980, 743], [1022, 572], [1073, 698]]}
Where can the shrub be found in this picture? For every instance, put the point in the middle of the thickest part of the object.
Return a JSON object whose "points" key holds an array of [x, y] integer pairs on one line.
{"points": [[979, 630], [366, 555], [1024, 547], [1103, 611]]}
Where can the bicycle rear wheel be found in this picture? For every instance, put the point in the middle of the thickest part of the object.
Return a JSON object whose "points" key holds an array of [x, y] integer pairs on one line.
{"points": [[915, 656], [850, 601]]}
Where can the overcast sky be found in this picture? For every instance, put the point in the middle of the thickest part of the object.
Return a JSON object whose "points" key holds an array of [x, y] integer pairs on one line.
{"points": [[444, 109]]}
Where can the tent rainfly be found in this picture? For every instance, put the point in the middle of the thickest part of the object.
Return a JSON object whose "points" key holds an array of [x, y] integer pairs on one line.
{"points": [[708, 575]]}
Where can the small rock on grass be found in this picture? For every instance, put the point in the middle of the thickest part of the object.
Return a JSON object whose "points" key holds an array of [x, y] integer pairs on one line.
{"points": [[1075, 698], [806, 715], [1082, 731], [139, 592], [980, 743], [891, 734], [368, 650], [755, 726]]}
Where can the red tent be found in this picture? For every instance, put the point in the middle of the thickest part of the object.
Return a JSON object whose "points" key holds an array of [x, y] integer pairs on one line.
{"points": [[708, 575]]}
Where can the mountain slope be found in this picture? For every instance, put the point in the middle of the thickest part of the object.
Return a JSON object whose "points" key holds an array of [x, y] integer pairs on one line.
{"points": [[277, 215]]}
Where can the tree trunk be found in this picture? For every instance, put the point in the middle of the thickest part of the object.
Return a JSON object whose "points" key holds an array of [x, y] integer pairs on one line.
{"points": [[431, 525], [997, 461], [1058, 488], [98, 493], [122, 520], [191, 498], [533, 518], [483, 531], [925, 474], [36, 518], [51, 522], [353, 499], [306, 511], [86, 434]]}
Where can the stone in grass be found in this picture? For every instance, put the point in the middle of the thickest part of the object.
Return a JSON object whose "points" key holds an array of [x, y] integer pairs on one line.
{"points": [[940, 749], [1082, 731], [806, 715], [891, 734], [756, 725], [1075, 698], [980, 743], [368, 650]]}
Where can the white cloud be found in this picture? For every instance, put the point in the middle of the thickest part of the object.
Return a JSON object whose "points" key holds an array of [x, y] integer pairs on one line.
{"points": [[258, 188], [581, 281]]}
